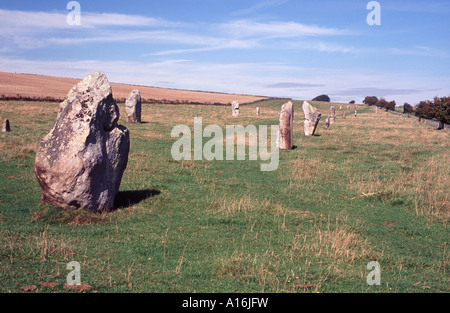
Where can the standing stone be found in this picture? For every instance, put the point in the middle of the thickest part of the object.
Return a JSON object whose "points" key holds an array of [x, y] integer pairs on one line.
{"points": [[6, 127], [286, 133], [376, 110], [344, 116], [80, 163], [235, 108], [133, 107], [312, 118], [332, 114], [327, 122], [258, 111]]}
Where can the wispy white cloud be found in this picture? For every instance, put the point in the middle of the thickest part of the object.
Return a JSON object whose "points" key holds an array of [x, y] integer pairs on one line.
{"points": [[294, 85], [160, 36], [12, 21], [248, 34], [16, 21], [259, 6], [418, 51], [34, 30], [380, 92], [212, 45], [322, 46], [250, 28]]}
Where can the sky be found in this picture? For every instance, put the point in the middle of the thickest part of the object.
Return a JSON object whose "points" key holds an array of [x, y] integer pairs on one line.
{"points": [[279, 48]]}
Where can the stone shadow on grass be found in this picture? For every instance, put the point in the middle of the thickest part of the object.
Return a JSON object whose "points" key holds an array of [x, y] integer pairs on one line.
{"points": [[126, 199]]}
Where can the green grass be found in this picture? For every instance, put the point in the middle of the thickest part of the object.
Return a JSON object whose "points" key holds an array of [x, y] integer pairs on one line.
{"points": [[372, 188]]}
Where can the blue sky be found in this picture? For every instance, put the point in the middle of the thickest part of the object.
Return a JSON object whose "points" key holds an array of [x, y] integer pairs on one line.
{"points": [[286, 48]]}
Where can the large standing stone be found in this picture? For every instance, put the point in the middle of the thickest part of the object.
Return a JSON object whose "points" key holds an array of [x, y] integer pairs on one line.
{"points": [[6, 127], [286, 132], [133, 107], [312, 118], [235, 108], [80, 163], [332, 114]]}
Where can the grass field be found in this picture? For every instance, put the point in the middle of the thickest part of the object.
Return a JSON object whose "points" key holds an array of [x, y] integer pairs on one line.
{"points": [[372, 188]]}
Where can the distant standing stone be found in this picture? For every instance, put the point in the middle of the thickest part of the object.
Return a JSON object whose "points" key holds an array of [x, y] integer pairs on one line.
{"points": [[133, 107], [332, 114], [327, 122], [6, 127], [344, 116], [286, 132], [312, 118], [235, 109], [258, 111], [80, 163]]}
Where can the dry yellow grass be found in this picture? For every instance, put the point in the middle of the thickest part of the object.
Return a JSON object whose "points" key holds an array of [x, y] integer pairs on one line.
{"points": [[426, 184], [333, 240], [43, 246]]}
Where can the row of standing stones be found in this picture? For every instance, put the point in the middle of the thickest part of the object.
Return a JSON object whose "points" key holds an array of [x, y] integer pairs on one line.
{"points": [[80, 163], [312, 118]]}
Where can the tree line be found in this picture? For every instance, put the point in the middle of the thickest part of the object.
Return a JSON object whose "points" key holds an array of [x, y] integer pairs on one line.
{"points": [[438, 109]]}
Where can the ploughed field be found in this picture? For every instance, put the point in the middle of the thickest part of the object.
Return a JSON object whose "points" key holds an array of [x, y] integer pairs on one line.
{"points": [[41, 87], [371, 188]]}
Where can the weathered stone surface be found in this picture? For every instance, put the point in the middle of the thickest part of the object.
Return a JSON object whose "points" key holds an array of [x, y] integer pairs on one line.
{"points": [[6, 127], [332, 114], [80, 163], [286, 132], [235, 108], [327, 122], [312, 118], [133, 107]]}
